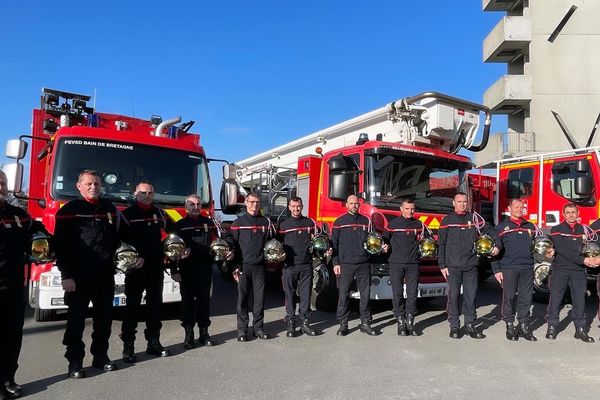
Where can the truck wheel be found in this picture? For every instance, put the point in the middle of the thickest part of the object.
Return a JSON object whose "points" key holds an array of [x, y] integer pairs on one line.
{"points": [[44, 315], [324, 293]]}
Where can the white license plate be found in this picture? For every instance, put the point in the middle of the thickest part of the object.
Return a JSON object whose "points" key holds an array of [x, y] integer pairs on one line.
{"points": [[432, 292], [119, 301]]}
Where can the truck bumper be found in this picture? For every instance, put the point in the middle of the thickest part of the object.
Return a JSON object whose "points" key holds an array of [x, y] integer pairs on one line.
{"points": [[47, 293], [381, 289]]}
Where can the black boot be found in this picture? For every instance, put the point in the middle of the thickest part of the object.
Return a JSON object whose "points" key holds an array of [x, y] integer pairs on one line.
{"points": [[156, 349], [410, 325], [291, 328], [76, 370], [306, 329], [365, 327], [13, 389], [473, 332], [551, 333], [343, 330], [524, 331], [511, 333], [129, 351], [188, 341], [4, 394], [204, 339], [103, 362], [454, 333], [582, 335], [401, 326]]}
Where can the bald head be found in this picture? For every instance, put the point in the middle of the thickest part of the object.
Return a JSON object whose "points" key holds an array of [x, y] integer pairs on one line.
{"points": [[352, 204]]}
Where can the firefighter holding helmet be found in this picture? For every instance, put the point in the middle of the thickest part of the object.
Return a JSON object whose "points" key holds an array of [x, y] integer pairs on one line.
{"points": [[297, 232], [250, 233], [145, 224], [87, 236], [460, 235], [513, 269], [568, 269], [16, 231], [403, 235], [350, 238], [194, 271]]}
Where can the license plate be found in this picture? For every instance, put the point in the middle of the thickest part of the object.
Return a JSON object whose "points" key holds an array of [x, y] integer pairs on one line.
{"points": [[431, 292], [119, 301]]}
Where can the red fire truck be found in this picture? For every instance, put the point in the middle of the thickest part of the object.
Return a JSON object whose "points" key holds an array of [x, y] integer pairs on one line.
{"points": [[69, 136], [407, 148]]}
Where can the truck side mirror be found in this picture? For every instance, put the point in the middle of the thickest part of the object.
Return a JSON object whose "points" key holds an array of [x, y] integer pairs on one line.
{"points": [[339, 185], [582, 165], [229, 190], [16, 149], [583, 186], [14, 176]]}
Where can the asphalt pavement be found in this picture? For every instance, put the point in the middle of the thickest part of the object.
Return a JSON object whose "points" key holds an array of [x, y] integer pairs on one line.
{"points": [[431, 366]]}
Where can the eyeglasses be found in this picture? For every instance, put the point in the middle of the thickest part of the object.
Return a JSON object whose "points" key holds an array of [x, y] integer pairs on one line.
{"points": [[144, 193], [190, 204]]}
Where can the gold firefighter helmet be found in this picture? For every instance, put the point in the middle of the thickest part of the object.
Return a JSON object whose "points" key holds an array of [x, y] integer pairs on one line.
{"points": [[125, 257], [174, 247], [41, 250], [373, 243], [484, 245], [319, 245], [274, 252], [540, 246], [428, 248], [219, 249], [590, 249], [541, 273]]}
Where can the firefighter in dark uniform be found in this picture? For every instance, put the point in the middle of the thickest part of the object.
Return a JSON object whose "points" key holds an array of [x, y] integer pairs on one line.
{"points": [[194, 271], [297, 232], [86, 236], [513, 269], [350, 260], [15, 231], [250, 233], [143, 230], [459, 264], [568, 269], [403, 235], [595, 226]]}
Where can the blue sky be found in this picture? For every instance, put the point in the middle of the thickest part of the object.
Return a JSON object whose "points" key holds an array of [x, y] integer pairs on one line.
{"points": [[252, 75]]}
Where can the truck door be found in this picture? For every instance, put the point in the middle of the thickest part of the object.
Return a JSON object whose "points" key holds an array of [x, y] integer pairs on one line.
{"points": [[570, 180]]}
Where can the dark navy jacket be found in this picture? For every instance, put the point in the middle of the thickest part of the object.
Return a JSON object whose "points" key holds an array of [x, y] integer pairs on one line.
{"points": [[348, 236], [197, 233], [567, 242], [250, 234], [297, 234], [403, 235], [456, 237], [517, 239]]}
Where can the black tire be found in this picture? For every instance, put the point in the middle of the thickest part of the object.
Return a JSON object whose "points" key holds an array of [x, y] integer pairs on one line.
{"points": [[541, 296], [326, 299], [44, 315]]}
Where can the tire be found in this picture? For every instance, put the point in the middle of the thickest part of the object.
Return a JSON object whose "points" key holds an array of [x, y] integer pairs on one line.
{"points": [[326, 297], [44, 315]]}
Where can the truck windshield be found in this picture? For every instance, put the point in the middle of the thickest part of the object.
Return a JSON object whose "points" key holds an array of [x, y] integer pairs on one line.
{"points": [[432, 183], [175, 174]]}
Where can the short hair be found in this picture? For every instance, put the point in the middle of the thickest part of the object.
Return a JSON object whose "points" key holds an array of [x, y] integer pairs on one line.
{"points": [[460, 194], [92, 172], [408, 200], [511, 201], [143, 182], [192, 196], [569, 205], [253, 194], [295, 199]]}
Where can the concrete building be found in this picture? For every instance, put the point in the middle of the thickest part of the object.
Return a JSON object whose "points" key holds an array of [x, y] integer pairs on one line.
{"points": [[552, 53]]}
